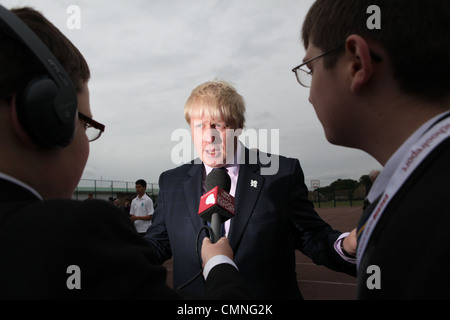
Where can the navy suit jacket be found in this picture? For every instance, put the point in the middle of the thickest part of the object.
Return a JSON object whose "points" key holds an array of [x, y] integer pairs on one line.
{"points": [[272, 220]]}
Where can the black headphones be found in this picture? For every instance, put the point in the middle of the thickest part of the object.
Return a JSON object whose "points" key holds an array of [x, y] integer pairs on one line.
{"points": [[47, 105]]}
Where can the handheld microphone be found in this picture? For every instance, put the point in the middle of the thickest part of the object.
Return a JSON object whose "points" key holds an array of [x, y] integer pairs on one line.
{"points": [[217, 205]]}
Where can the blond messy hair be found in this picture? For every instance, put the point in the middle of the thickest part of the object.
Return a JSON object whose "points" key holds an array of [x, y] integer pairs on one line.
{"points": [[220, 99]]}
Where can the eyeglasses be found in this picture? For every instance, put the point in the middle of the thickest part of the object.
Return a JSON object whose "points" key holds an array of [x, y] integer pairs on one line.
{"points": [[93, 128], [304, 77]]}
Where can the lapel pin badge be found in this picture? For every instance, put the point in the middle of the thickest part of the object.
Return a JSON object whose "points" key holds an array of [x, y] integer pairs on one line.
{"points": [[254, 183]]}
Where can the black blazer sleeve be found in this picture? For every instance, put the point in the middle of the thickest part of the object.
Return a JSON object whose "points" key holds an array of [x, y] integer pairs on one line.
{"points": [[313, 236], [225, 283], [157, 235]]}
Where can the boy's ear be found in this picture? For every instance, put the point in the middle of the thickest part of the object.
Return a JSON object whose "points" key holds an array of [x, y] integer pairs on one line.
{"points": [[17, 126], [361, 64]]}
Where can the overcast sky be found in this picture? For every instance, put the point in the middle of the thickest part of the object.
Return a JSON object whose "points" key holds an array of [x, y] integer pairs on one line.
{"points": [[146, 56]]}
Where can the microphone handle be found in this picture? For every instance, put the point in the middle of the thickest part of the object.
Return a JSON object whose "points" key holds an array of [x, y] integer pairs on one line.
{"points": [[216, 227]]}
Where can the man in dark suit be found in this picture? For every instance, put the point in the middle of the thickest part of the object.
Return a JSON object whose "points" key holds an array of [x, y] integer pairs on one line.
{"points": [[273, 216], [381, 84], [52, 247]]}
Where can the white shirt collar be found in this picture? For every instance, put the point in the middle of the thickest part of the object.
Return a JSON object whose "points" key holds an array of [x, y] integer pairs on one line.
{"points": [[21, 184], [385, 175]]}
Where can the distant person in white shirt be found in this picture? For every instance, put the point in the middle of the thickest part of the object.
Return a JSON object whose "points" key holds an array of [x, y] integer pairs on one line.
{"points": [[141, 211]]}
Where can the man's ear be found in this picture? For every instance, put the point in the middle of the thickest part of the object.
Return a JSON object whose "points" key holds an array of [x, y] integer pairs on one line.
{"points": [[361, 64], [17, 126]]}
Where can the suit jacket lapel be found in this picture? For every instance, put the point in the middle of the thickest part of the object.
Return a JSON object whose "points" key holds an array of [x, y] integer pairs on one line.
{"points": [[248, 189], [193, 191]]}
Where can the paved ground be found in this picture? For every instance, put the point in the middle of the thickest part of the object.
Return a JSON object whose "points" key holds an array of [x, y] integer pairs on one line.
{"points": [[318, 282]]}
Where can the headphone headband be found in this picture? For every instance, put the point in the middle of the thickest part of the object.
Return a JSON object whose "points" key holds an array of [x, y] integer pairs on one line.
{"points": [[62, 101]]}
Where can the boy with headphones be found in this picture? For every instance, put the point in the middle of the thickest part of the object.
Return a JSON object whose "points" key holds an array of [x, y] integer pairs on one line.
{"points": [[51, 246]]}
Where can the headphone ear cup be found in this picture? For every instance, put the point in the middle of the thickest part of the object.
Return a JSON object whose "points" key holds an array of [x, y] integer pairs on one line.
{"points": [[39, 114]]}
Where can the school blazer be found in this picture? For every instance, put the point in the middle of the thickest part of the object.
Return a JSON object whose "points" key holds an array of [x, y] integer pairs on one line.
{"points": [[410, 244], [42, 243]]}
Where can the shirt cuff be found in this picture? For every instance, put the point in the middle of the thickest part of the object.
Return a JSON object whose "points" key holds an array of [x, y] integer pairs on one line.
{"points": [[337, 247], [214, 261]]}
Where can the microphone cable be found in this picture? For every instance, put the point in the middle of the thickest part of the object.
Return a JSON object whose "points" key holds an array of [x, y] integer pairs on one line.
{"points": [[198, 274]]}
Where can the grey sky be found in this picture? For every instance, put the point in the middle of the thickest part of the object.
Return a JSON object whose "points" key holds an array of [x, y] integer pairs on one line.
{"points": [[147, 56]]}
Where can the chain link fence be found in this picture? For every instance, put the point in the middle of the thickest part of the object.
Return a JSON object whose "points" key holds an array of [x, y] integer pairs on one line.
{"points": [[111, 189], [331, 197]]}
